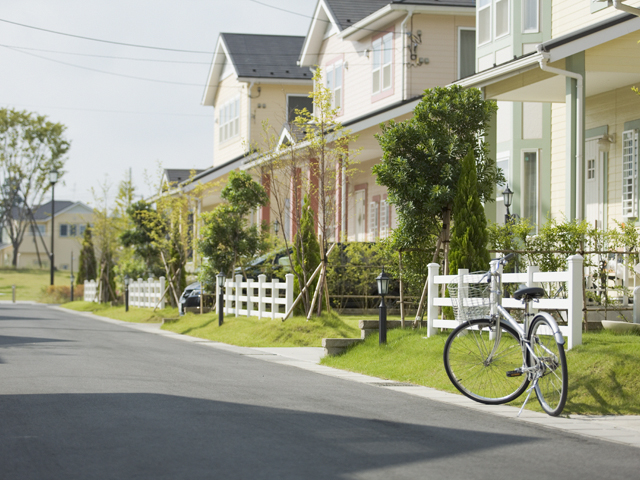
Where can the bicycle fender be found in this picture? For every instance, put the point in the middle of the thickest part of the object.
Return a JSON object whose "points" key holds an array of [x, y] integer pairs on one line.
{"points": [[554, 327]]}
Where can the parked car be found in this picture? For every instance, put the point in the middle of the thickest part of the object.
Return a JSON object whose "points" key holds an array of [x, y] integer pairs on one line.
{"points": [[190, 299], [267, 264]]}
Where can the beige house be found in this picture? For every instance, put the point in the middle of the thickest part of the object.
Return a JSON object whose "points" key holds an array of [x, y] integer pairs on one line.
{"points": [[70, 221], [377, 57], [569, 120]]}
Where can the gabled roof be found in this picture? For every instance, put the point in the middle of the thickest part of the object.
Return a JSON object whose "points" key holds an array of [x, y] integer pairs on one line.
{"points": [[177, 175], [59, 206], [355, 19], [262, 58]]}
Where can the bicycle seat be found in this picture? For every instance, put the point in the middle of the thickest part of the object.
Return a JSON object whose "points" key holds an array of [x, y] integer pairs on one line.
{"points": [[528, 293]]}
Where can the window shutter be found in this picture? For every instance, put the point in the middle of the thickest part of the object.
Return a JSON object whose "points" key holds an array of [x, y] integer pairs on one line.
{"points": [[629, 173]]}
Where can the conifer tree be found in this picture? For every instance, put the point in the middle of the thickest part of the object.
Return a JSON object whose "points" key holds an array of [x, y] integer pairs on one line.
{"points": [[87, 262], [306, 252], [469, 237]]}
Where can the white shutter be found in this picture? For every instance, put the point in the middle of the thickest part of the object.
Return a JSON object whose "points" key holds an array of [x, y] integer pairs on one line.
{"points": [[629, 173], [373, 221]]}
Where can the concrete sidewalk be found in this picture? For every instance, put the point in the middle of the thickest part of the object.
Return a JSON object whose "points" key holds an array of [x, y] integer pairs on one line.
{"points": [[620, 429]]}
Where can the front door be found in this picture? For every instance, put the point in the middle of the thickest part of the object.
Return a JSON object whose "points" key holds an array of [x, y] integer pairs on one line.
{"points": [[594, 184]]}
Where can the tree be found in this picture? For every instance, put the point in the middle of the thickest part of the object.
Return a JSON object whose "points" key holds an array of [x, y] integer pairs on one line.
{"points": [[139, 237], [227, 238], [87, 262], [30, 147], [469, 236], [306, 241], [422, 161]]}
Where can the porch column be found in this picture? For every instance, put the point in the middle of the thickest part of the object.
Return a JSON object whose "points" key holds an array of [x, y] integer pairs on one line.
{"points": [[490, 138], [574, 199]]}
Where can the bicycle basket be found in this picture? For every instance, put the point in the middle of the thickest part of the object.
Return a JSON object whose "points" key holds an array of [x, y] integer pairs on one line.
{"points": [[470, 300]]}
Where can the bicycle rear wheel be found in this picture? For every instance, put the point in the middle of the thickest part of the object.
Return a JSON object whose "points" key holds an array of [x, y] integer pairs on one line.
{"points": [[484, 379], [552, 387]]}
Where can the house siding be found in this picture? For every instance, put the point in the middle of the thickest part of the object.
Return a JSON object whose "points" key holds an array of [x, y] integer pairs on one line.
{"points": [[224, 151], [570, 15]]}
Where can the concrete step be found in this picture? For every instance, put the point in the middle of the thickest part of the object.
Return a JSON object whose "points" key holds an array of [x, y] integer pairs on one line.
{"points": [[336, 346]]}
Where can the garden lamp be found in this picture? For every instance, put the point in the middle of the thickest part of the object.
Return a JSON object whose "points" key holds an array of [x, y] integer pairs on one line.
{"points": [[383, 289]]}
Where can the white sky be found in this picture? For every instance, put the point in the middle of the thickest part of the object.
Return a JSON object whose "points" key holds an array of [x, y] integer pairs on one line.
{"points": [[116, 123]]}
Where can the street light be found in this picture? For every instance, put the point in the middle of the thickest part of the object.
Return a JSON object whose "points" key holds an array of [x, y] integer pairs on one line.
{"points": [[126, 292], [507, 195], [53, 178], [383, 289], [221, 278]]}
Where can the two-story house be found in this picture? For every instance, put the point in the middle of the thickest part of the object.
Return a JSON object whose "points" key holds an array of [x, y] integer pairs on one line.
{"points": [[569, 140]]}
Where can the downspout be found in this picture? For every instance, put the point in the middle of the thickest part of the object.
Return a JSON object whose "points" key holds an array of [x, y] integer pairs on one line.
{"points": [[249, 97], [404, 48], [618, 5], [579, 124]]}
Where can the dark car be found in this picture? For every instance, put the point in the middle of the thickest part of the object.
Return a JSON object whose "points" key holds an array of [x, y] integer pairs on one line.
{"points": [[190, 299], [267, 264]]}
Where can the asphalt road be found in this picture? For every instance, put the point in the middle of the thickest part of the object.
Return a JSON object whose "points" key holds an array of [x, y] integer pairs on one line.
{"points": [[81, 398]]}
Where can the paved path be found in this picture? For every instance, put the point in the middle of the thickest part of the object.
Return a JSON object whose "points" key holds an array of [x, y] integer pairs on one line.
{"points": [[87, 398], [615, 428]]}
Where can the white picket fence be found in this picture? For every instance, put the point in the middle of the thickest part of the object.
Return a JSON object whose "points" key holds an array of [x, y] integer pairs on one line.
{"points": [[143, 294], [90, 291], [147, 294], [572, 305], [262, 299]]}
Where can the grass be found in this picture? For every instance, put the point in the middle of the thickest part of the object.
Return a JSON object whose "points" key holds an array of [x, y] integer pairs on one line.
{"points": [[30, 283], [603, 372], [251, 332], [137, 315]]}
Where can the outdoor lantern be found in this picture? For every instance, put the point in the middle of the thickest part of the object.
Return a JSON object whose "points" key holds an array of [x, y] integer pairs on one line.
{"points": [[221, 278], [126, 280], [507, 194], [126, 292], [383, 283], [53, 176], [276, 226]]}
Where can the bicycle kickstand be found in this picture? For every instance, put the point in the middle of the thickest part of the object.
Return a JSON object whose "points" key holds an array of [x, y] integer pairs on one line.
{"points": [[533, 385]]}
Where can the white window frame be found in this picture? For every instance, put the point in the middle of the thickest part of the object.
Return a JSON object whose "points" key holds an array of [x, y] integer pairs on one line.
{"points": [[630, 174], [524, 10], [66, 228], [384, 218], [536, 188], [382, 48], [489, 16], [496, 35], [374, 212], [335, 87], [229, 120]]}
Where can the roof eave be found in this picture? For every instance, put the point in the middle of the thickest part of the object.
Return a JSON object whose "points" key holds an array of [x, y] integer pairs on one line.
{"points": [[277, 80], [315, 35], [211, 88], [501, 72]]}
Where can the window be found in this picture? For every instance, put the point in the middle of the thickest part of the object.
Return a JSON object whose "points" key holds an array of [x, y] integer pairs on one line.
{"points": [[64, 230], [229, 120], [466, 52], [385, 219], [360, 213], [530, 186], [334, 83], [484, 21], [73, 230], [629, 173], [530, 16], [382, 63], [298, 102], [374, 208], [82, 228], [502, 18], [38, 230], [591, 169]]}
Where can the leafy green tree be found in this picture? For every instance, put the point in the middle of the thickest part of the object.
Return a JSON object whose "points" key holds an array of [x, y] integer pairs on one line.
{"points": [[422, 161], [227, 238], [87, 262], [306, 253], [139, 237], [469, 236], [30, 147]]}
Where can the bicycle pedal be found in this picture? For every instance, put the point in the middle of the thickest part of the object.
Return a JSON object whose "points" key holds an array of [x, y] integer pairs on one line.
{"points": [[514, 373]]}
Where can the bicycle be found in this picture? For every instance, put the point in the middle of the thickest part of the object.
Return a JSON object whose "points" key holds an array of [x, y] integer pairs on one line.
{"points": [[492, 359]]}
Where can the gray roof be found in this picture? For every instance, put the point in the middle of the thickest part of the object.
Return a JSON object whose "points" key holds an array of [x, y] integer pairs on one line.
{"points": [[177, 175], [266, 56], [350, 12], [44, 211]]}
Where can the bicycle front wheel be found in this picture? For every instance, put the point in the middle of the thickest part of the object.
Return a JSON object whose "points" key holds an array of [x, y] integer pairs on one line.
{"points": [[482, 373], [552, 386]]}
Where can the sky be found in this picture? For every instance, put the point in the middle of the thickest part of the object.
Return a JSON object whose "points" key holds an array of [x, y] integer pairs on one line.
{"points": [[119, 125]]}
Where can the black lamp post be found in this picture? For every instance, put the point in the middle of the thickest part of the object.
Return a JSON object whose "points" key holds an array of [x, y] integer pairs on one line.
{"points": [[126, 292], [72, 276], [507, 195], [53, 178], [221, 278], [383, 289]]}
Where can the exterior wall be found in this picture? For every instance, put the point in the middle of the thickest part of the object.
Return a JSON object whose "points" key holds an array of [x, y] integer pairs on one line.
{"points": [[558, 159], [233, 147], [570, 15]]}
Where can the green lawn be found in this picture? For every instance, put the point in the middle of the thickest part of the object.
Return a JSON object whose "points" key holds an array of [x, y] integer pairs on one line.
{"points": [[30, 283], [603, 372], [137, 315]]}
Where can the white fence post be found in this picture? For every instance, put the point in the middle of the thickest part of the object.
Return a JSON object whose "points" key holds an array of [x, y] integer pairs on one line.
{"points": [[531, 270], [275, 293], [463, 292], [288, 292], [161, 292], [249, 302], [432, 293], [261, 279], [574, 314], [238, 293]]}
